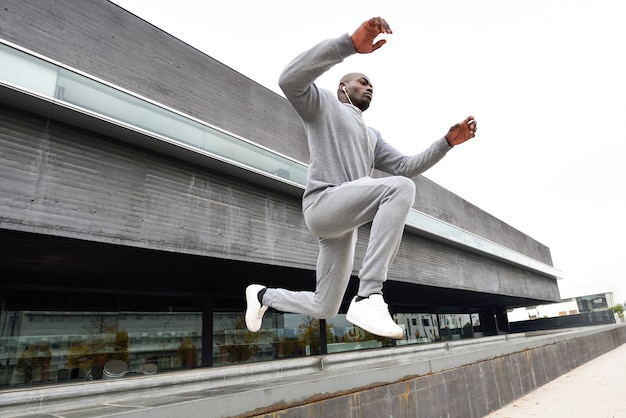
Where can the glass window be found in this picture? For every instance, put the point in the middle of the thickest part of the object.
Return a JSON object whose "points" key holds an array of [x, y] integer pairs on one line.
{"points": [[281, 336], [455, 326], [418, 328], [27, 72], [233, 343], [120, 106], [344, 336], [115, 104], [56, 347]]}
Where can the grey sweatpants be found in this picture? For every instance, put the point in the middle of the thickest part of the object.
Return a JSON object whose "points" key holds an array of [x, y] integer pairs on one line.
{"points": [[335, 217]]}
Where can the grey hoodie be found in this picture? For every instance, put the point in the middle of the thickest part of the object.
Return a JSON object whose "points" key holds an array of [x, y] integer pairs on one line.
{"points": [[342, 148]]}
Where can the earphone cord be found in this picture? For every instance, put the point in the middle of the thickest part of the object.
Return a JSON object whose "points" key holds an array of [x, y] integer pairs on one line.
{"points": [[367, 132], [369, 145], [349, 99]]}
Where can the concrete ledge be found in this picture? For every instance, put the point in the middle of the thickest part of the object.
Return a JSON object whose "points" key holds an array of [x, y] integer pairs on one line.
{"points": [[485, 373]]}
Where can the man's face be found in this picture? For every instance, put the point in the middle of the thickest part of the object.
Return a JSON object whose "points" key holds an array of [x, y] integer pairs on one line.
{"points": [[361, 91]]}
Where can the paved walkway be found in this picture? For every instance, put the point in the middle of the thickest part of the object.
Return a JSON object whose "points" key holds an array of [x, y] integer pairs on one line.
{"points": [[596, 389]]}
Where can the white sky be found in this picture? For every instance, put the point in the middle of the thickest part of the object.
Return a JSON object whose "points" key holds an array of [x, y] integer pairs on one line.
{"points": [[545, 79]]}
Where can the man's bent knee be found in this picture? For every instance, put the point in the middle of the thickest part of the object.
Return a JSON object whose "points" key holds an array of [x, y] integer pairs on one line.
{"points": [[405, 188], [327, 312], [404, 183]]}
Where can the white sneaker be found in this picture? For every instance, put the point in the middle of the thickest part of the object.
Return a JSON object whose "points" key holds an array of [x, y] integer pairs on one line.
{"points": [[372, 314], [254, 309]]}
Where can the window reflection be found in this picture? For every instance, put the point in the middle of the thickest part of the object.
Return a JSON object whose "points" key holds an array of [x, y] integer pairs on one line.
{"points": [[278, 338], [284, 336], [455, 326], [290, 335], [43, 346], [55, 346], [419, 327], [422, 328]]}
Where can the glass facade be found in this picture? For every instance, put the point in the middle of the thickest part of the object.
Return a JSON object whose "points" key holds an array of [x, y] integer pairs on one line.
{"points": [[292, 335], [55, 346], [286, 335]]}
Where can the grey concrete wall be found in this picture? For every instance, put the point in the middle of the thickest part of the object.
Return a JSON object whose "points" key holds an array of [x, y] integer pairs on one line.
{"points": [[61, 181], [471, 391], [104, 40]]}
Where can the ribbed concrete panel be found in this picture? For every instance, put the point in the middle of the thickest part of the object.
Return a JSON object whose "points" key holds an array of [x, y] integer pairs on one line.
{"points": [[71, 183], [19, 162], [199, 213], [430, 263]]}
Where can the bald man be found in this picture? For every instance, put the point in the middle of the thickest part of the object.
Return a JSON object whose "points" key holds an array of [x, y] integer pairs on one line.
{"points": [[341, 195]]}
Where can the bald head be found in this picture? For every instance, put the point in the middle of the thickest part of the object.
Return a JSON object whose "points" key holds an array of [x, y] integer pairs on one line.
{"points": [[356, 89]]}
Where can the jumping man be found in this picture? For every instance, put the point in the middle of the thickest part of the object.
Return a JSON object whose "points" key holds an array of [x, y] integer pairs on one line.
{"points": [[341, 195]]}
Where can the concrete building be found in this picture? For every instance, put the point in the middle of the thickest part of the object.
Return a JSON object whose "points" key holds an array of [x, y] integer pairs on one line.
{"points": [[143, 185], [571, 306]]}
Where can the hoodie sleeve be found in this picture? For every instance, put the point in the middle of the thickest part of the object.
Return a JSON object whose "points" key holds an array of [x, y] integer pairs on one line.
{"points": [[392, 161], [298, 78]]}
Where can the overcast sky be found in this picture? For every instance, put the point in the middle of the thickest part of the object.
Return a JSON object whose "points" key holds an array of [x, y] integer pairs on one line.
{"points": [[545, 80]]}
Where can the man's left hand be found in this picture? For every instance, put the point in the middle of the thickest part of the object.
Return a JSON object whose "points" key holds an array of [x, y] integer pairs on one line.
{"points": [[462, 131]]}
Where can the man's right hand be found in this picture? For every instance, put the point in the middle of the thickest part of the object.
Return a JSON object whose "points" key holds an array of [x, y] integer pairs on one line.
{"points": [[363, 38]]}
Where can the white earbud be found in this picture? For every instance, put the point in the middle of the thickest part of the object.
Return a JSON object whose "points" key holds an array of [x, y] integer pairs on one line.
{"points": [[345, 90]]}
